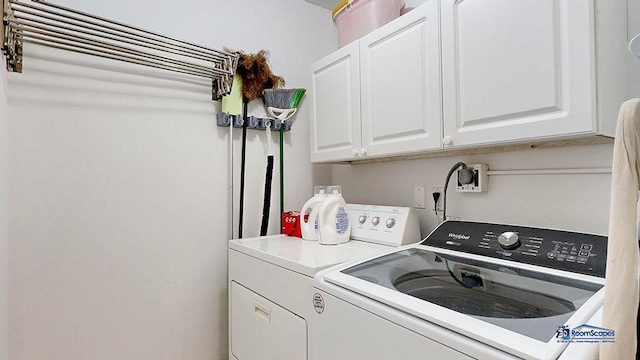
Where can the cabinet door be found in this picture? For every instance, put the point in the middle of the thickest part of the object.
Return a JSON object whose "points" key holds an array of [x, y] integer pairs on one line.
{"points": [[517, 70], [400, 76], [335, 113]]}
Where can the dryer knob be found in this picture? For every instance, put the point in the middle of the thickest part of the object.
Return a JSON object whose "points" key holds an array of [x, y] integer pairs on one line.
{"points": [[390, 222], [375, 220], [362, 219], [509, 240]]}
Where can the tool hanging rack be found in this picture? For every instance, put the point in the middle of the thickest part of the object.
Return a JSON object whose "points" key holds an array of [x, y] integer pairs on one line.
{"points": [[43, 23]]}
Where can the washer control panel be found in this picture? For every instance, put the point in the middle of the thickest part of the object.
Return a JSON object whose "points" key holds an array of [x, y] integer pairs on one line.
{"points": [[563, 250], [387, 225]]}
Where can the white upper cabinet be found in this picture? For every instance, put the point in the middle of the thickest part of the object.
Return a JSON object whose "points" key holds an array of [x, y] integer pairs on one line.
{"points": [[400, 78], [456, 74], [335, 99], [380, 95], [515, 70]]}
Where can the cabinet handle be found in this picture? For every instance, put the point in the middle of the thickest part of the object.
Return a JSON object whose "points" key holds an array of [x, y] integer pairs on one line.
{"points": [[262, 312], [354, 153], [363, 152], [447, 140]]}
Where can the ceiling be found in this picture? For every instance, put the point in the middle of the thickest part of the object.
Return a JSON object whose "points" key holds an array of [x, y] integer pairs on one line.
{"points": [[327, 4]]}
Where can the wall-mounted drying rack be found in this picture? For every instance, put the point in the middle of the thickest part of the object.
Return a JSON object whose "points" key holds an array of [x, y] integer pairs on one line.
{"points": [[253, 122], [43, 23]]}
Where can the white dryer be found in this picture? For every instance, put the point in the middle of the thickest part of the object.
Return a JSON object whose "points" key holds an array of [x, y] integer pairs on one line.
{"points": [[468, 291], [271, 277]]}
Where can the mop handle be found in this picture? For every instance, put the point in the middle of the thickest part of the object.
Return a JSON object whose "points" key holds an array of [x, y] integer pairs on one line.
{"points": [[281, 173], [268, 136], [242, 167]]}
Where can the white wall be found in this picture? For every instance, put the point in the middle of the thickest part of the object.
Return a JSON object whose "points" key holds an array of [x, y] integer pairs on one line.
{"points": [[572, 202], [4, 219], [119, 185]]}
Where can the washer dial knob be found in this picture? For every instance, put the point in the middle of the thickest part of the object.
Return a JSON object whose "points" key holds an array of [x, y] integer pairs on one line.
{"points": [[390, 222], [509, 240], [375, 220], [362, 219]]}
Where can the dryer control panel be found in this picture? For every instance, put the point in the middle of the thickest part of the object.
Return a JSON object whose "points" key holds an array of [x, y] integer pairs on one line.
{"points": [[387, 225], [563, 250]]}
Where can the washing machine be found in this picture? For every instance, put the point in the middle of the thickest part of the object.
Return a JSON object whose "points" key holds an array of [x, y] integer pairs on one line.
{"points": [[469, 290], [270, 279]]}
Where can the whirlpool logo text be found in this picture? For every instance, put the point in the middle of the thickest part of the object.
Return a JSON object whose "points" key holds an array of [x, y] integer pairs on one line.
{"points": [[459, 236]]}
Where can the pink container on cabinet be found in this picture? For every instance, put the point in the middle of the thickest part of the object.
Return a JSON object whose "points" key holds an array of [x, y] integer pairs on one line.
{"points": [[356, 18]]}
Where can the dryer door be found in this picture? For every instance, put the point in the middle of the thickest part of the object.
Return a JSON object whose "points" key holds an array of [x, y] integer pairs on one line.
{"points": [[263, 330]]}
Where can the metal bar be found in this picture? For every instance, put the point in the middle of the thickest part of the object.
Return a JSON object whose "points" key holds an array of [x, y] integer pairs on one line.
{"points": [[17, 19], [71, 37], [106, 55], [213, 53], [224, 54], [100, 30]]}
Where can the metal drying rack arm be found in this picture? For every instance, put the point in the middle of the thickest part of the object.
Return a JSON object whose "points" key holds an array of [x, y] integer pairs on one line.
{"points": [[47, 24]]}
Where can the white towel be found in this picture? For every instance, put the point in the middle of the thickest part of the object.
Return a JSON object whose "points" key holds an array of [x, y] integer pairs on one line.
{"points": [[621, 289]]}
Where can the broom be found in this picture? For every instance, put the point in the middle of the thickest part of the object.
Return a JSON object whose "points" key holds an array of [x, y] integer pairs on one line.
{"points": [[281, 104]]}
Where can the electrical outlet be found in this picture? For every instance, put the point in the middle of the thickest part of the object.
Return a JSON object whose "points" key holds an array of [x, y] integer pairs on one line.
{"points": [[479, 181], [419, 197], [440, 190]]}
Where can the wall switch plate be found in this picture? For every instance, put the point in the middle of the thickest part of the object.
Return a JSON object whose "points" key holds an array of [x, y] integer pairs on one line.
{"points": [[419, 197], [480, 179]]}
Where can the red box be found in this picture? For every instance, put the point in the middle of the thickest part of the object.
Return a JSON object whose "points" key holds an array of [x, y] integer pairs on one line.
{"points": [[291, 224]]}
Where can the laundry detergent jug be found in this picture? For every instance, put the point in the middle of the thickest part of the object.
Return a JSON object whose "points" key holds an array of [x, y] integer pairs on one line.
{"points": [[309, 213], [333, 218]]}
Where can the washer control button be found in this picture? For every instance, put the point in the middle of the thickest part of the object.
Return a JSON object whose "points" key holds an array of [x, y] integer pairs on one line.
{"points": [[390, 222], [375, 220], [586, 247], [362, 219]]}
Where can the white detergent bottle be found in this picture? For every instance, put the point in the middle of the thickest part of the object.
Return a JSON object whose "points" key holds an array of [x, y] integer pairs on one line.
{"points": [[333, 218], [309, 213]]}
